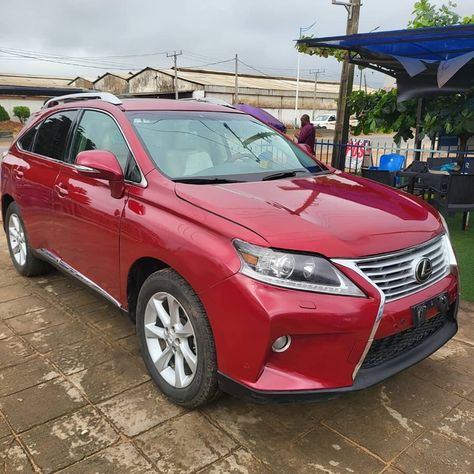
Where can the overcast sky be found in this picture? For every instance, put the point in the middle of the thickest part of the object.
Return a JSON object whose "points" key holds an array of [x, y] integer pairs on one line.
{"points": [[208, 31]]}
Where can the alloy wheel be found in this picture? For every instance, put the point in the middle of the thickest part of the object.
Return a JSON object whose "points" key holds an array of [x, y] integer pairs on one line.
{"points": [[17, 238], [170, 339]]}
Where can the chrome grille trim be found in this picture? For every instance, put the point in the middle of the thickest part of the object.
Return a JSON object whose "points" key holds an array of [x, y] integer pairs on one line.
{"points": [[394, 275]]}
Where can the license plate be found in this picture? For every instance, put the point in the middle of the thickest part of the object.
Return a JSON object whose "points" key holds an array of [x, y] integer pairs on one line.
{"points": [[429, 308]]}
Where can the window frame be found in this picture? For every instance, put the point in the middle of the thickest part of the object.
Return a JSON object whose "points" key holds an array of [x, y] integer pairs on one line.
{"points": [[142, 183]]}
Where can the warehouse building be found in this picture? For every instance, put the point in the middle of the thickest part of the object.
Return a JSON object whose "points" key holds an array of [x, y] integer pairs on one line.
{"points": [[32, 90], [274, 94]]}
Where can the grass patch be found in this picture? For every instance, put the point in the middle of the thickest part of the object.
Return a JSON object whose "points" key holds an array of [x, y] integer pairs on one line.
{"points": [[463, 243]]}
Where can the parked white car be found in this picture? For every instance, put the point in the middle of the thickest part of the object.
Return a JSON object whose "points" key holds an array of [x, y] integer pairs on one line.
{"points": [[325, 121]]}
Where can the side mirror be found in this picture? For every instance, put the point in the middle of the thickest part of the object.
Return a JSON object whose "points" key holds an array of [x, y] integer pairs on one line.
{"points": [[102, 164]]}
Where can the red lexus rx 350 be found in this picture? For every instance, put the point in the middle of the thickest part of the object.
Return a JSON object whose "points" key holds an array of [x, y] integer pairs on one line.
{"points": [[248, 266]]}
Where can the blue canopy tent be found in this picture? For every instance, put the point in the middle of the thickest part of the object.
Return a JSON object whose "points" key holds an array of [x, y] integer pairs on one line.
{"points": [[425, 62]]}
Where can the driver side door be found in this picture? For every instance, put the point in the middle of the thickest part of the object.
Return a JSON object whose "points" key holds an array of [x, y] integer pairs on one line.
{"points": [[87, 216]]}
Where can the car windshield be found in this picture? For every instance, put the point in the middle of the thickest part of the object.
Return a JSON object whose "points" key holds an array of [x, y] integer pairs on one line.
{"points": [[216, 147]]}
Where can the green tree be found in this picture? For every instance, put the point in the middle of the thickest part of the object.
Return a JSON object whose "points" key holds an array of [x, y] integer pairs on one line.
{"points": [[22, 112], [3, 114]]}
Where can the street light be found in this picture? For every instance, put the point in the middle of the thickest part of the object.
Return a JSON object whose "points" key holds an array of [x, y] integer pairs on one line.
{"points": [[302, 30]]}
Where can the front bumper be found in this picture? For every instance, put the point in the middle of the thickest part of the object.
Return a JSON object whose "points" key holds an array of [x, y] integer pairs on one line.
{"points": [[329, 337], [365, 377]]}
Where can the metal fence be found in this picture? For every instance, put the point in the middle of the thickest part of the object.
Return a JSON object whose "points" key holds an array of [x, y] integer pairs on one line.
{"points": [[364, 153]]}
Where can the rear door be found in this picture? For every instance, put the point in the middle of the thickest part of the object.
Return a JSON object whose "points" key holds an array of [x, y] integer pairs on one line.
{"points": [[39, 154], [87, 217]]}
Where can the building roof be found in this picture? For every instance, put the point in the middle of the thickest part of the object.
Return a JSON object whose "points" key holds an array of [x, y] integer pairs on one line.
{"points": [[121, 75], [29, 80], [250, 81]]}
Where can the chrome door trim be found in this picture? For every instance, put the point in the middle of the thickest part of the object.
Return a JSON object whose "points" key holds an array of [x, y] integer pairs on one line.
{"points": [[62, 265], [353, 266]]}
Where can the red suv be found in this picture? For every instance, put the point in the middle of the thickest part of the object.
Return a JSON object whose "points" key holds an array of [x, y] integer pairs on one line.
{"points": [[248, 266]]}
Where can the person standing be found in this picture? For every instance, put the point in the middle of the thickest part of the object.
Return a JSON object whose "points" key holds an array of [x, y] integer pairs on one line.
{"points": [[307, 133]]}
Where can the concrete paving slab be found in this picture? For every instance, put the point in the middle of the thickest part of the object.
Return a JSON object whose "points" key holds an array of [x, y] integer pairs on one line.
{"points": [[139, 409], [450, 368], [13, 458], [12, 292], [68, 333], [122, 458], [82, 355], [370, 420], [436, 454], [185, 444], [13, 351], [324, 450], [239, 462], [33, 322], [4, 429], [117, 327], [466, 323], [110, 378], [40, 403], [66, 440], [5, 331], [27, 304], [25, 375], [459, 424], [80, 298]]}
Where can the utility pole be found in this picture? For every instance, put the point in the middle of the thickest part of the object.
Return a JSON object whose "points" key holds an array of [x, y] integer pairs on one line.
{"points": [[175, 55], [236, 86], [316, 73], [341, 135], [302, 30]]}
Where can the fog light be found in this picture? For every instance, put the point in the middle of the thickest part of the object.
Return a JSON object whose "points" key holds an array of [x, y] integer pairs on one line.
{"points": [[281, 344]]}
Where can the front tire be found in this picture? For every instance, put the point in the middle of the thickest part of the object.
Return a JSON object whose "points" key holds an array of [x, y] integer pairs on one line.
{"points": [[176, 340], [21, 253]]}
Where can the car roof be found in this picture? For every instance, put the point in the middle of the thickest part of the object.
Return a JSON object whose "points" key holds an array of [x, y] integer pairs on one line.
{"points": [[170, 104]]}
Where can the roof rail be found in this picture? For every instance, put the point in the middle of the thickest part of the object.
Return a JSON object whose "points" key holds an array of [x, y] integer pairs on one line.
{"points": [[105, 96], [210, 100]]}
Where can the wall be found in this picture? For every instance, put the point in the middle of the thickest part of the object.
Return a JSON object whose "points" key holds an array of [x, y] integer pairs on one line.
{"points": [[150, 81], [111, 83], [34, 103]]}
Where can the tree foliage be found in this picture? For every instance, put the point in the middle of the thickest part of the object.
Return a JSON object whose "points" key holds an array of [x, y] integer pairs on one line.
{"points": [[3, 114], [426, 15], [22, 112]]}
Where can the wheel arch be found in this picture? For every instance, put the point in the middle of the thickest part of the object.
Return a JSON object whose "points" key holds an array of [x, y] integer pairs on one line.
{"points": [[140, 270], [6, 201]]}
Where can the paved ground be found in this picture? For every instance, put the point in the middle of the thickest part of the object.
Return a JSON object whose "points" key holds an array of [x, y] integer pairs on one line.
{"points": [[75, 398]]}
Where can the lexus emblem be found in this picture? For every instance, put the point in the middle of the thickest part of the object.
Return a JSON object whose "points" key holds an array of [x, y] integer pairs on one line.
{"points": [[423, 270]]}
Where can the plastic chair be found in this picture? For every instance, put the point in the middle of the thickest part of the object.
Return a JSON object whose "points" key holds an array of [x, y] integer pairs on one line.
{"points": [[390, 162]]}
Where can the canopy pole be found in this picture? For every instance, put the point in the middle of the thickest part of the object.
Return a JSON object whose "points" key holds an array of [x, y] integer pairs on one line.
{"points": [[418, 140]]}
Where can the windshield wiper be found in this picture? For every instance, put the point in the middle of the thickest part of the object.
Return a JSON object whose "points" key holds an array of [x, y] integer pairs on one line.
{"points": [[283, 174], [209, 180]]}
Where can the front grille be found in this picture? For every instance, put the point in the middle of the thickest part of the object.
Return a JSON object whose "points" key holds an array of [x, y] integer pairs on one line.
{"points": [[394, 273], [382, 350]]}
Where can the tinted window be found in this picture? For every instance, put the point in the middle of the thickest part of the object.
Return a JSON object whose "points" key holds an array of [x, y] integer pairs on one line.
{"points": [[26, 141], [98, 131], [52, 135]]}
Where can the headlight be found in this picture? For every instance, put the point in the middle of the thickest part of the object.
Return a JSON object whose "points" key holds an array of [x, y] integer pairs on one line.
{"points": [[292, 270], [450, 251], [445, 224]]}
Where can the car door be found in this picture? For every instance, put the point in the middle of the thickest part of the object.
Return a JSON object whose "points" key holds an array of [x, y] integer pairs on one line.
{"points": [[39, 154], [87, 217]]}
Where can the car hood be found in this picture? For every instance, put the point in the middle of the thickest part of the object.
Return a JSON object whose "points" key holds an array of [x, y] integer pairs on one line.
{"points": [[337, 215]]}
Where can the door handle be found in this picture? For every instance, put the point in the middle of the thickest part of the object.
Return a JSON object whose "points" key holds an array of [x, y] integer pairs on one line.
{"points": [[61, 190], [18, 174]]}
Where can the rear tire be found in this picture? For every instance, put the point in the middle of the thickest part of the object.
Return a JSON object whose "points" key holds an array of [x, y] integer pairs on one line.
{"points": [[21, 253], [176, 340]]}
